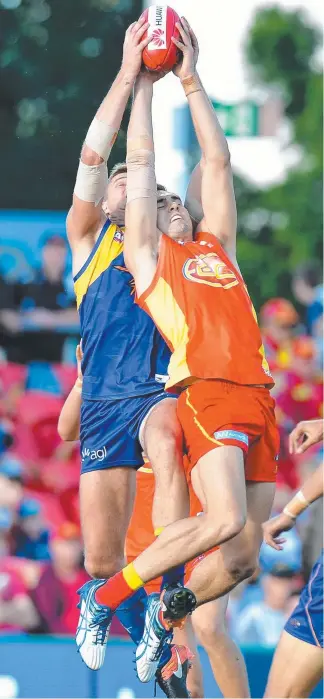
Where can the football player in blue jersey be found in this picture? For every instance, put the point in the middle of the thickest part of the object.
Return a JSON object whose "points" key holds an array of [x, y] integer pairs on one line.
{"points": [[297, 665], [124, 407]]}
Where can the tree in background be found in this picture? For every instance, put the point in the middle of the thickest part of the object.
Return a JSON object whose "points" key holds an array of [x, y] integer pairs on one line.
{"points": [[57, 60], [283, 224]]}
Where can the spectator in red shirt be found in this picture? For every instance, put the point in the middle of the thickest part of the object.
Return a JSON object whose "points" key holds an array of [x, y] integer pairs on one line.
{"points": [[55, 596]]}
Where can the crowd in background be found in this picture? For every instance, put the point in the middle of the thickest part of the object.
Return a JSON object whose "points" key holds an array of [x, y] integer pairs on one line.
{"points": [[41, 565]]}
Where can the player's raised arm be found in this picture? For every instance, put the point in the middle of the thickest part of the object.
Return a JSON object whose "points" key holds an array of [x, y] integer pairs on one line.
{"points": [[92, 177], [141, 239], [218, 199]]}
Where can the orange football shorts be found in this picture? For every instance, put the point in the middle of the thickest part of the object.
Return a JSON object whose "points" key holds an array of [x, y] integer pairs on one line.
{"points": [[216, 413]]}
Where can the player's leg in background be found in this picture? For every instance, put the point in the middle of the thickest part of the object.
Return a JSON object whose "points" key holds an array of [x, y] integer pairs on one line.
{"points": [[186, 637], [296, 669], [162, 441], [106, 503], [227, 662]]}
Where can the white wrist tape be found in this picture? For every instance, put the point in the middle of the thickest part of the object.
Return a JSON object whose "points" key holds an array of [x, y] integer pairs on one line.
{"points": [[296, 506], [141, 181], [100, 138], [91, 182], [289, 514]]}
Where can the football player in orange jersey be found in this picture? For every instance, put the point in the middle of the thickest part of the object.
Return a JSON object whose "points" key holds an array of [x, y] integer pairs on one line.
{"points": [[196, 295], [208, 621]]}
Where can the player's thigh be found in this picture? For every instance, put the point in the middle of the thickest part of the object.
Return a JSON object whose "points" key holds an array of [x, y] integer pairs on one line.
{"points": [[219, 482], [161, 435], [296, 669], [106, 502], [244, 549]]}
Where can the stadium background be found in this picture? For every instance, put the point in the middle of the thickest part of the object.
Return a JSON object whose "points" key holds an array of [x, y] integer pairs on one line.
{"points": [[261, 63]]}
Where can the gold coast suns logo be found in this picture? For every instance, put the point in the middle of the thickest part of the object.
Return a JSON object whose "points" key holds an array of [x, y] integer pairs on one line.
{"points": [[209, 269]]}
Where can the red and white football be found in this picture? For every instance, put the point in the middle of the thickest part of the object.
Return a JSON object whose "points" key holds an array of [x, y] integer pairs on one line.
{"points": [[161, 52]]}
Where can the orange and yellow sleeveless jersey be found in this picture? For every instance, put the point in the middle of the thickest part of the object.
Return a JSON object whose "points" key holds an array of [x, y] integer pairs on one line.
{"points": [[200, 303]]}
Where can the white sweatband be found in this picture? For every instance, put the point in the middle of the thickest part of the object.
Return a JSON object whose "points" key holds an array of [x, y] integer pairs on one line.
{"points": [[100, 138], [91, 182], [141, 180]]}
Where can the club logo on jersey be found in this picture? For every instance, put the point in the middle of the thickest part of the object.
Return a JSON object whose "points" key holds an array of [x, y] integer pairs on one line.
{"points": [[209, 269], [119, 236]]}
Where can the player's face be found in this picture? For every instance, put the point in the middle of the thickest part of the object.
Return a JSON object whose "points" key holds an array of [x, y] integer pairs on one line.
{"points": [[173, 218], [116, 193]]}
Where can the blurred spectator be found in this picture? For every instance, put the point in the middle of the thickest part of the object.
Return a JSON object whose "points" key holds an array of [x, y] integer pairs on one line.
{"points": [[17, 611], [6, 520], [6, 436], [262, 623], [9, 316], [55, 596], [47, 310], [307, 286], [278, 318], [11, 483], [30, 536]]}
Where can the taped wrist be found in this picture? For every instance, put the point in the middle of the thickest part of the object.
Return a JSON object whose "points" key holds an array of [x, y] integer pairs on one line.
{"points": [[191, 84], [91, 182], [141, 180], [100, 138], [296, 506]]}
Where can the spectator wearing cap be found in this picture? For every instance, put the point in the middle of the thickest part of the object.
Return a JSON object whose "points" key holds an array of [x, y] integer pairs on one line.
{"points": [[55, 596], [30, 536], [262, 623], [278, 319], [47, 308]]}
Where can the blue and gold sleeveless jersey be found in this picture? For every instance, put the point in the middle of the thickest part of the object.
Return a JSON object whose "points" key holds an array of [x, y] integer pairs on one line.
{"points": [[123, 353]]}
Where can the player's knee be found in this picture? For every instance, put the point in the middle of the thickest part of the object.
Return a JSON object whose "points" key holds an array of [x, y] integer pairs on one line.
{"points": [[102, 568], [241, 566], [209, 630], [218, 532]]}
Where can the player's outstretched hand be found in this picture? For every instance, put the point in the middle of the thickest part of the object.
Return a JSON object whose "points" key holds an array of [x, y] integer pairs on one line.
{"points": [[133, 47], [274, 527], [304, 435], [189, 49]]}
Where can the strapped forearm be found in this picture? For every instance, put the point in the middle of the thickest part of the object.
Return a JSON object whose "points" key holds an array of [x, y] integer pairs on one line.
{"points": [[310, 491], [141, 181], [92, 176], [207, 127]]}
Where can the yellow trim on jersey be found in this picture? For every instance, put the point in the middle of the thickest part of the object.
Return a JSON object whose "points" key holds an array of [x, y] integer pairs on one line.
{"points": [[144, 469], [105, 254], [171, 321], [196, 421]]}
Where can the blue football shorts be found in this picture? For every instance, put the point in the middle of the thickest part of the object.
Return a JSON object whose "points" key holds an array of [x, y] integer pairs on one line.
{"points": [[306, 621], [109, 432]]}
